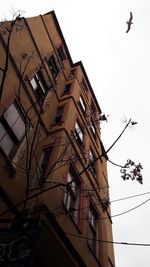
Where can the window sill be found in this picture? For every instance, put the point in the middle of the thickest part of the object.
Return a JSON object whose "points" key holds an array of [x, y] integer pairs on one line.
{"points": [[57, 124], [66, 94]]}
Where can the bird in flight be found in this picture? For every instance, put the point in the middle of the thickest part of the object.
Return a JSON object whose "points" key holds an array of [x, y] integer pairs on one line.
{"points": [[129, 22]]}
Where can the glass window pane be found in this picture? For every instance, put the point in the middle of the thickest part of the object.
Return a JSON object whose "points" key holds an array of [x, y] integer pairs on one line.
{"points": [[6, 144], [91, 156], [59, 114], [39, 81], [61, 53], [11, 115], [33, 83], [42, 167], [15, 121], [2, 131], [67, 88], [69, 178], [72, 197], [79, 131], [19, 128], [53, 66], [93, 129], [82, 103]]}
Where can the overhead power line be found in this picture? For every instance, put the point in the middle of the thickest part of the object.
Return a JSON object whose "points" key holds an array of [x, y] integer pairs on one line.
{"points": [[136, 207], [110, 242], [132, 196], [119, 214]]}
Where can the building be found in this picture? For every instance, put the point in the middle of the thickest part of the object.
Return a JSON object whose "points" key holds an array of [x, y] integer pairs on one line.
{"points": [[54, 207]]}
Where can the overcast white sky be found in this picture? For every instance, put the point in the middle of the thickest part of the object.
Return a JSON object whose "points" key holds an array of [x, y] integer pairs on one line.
{"points": [[118, 66]]}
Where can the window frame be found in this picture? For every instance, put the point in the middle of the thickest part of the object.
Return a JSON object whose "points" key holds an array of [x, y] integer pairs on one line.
{"points": [[84, 85], [53, 66], [72, 198], [92, 157], [93, 231], [44, 163], [67, 88], [39, 85], [78, 133], [61, 53], [93, 128], [82, 104], [93, 107], [59, 117], [8, 123]]}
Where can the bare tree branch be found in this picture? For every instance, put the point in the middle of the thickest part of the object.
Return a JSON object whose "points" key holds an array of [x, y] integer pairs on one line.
{"points": [[5, 69]]}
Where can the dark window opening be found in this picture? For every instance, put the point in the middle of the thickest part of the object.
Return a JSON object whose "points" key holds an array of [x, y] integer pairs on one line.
{"points": [[93, 230], [53, 66], [72, 74], [84, 85], [42, 168], [39, 85], [42, 80], [72, 196], [59, 115], [93, 108], [67, 88], [93, 129], [78, 134], [82, 104], [61, 53], [92, 163]]}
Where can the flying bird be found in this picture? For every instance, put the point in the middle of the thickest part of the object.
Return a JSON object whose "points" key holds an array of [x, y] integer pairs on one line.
{"points": [[129, 22], [133, 122]]}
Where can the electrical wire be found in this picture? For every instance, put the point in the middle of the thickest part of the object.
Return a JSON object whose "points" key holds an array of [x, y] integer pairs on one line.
{"points": [[136, 207], [112, 216], [132, 196], [84, 190], [108, 241]]}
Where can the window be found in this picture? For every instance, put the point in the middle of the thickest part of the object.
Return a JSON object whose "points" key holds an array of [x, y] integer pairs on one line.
{"points": [[93, 108], [82, 104], [59, 114], [53, 66], [72, 74], [84, 85], [12, 129], [42, 168], [61, 53], [67, 88], [93, 230], [93, 165], [92, 128], [72, 196], [39, 85], [78, 133]]}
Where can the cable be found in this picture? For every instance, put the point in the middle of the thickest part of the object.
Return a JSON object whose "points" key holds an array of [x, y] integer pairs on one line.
{"points": [[112, 216], [110, 242], [82, 190], [130, 209], [119, 199]]}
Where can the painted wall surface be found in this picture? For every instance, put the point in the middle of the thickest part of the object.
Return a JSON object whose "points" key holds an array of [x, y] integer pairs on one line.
{"points": [[33, 41]]}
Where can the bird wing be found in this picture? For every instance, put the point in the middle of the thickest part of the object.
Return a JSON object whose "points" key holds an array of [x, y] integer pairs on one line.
{"points": [[128, 29], [131, 17]]}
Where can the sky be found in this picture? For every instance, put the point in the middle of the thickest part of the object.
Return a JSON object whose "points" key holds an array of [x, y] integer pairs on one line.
{"points": [[118, 67]]}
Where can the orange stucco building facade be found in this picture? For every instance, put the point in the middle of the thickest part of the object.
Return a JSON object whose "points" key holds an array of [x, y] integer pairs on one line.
{"points": [[54, 204]]}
